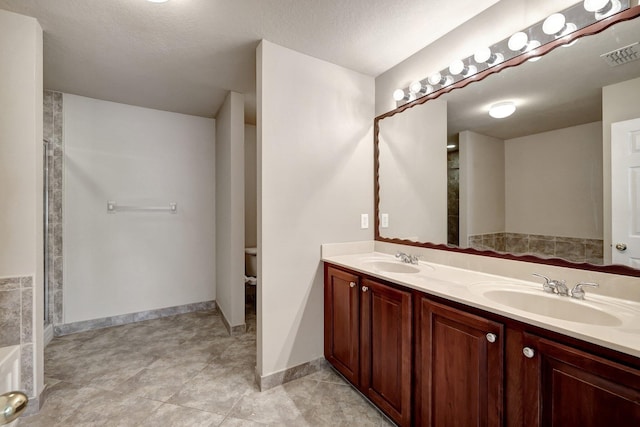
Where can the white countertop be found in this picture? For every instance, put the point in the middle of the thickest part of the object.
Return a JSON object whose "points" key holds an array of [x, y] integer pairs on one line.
{"points": [[468, 287]]}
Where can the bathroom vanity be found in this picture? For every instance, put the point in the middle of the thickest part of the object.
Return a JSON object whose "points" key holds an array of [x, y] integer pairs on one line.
{"points": [[430, 344], [436, 345]]}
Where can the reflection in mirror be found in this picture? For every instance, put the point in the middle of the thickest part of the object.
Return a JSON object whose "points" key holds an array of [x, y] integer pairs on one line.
{"points": [[414, 154], [537, 182]]}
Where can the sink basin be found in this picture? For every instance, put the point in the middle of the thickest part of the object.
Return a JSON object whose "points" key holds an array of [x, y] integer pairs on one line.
{"points": [[563, 308], [393, 267]]}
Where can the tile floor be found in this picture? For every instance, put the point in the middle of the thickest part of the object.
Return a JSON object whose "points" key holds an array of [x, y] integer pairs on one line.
{"points": [[183, 371]]}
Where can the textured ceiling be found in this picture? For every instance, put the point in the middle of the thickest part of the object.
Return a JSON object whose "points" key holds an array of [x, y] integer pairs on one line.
{"points": [[184, 55]]}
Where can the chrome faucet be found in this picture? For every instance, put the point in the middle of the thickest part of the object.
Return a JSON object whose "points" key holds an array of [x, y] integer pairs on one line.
{"points": [[409, 259], [553, 286], [577, 291]]}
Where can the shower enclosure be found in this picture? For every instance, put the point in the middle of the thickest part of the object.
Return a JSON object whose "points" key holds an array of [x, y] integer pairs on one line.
{"points": [[53, 157], [47, 156]]}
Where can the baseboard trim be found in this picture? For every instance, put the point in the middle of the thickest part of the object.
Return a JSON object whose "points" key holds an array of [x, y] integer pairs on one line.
{"points": [[267, 382], [35, 403], [232, 330], [105, 322]]}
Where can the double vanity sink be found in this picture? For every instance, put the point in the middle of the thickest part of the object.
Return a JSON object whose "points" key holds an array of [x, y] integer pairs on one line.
{"points": [[500, 350], [602, 320], [520, 296]]}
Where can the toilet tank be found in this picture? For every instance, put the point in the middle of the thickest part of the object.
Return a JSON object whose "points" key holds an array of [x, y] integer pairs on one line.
{"points": [[251, 262]]}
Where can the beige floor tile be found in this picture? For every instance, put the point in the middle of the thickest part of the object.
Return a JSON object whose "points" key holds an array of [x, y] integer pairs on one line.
{"points": [[215, 389], [183, 370], [169, 415], [237, 422], [161, 380], [284, 405], [113, 409]]}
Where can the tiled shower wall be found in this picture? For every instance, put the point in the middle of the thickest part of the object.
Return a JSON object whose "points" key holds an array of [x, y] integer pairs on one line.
{"points": [[569, 248], [53, 133], [16, 323]]}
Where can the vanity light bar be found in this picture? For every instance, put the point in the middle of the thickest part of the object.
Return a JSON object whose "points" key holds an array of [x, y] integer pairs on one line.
{"points": [[556, 26]]}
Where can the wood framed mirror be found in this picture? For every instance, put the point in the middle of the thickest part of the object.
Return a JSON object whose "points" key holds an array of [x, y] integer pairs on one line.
{"points": [[536, 186]]}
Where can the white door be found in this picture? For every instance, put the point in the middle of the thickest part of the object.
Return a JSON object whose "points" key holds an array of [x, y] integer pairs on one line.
{"points": [[625, 192]]}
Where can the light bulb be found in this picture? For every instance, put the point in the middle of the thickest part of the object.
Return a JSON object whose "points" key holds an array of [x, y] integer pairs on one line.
{"points": [[518, 41], [556, 25], [458, 67], [438, 79], [398, 95], [482, 55], [603, 8], [435, 78], [419, 89], [595, 5], [502, 109], [485, 55], [534, 44]]}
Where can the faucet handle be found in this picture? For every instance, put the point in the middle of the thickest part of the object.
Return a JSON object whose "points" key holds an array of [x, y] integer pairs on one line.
{"points": [[548, 285], [577, 291]]}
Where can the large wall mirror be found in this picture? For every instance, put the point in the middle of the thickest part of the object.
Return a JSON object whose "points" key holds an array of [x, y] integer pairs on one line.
{"points": [[534, 186]]}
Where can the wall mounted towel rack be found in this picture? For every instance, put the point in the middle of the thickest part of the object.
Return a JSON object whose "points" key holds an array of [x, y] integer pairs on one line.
{"points": [[113, 207]]}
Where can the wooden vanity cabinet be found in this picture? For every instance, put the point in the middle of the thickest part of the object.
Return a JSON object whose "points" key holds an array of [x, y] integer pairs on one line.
{"points": [[564, 386], [459, 367], [342, 322], [469, 367], [368, 334]]}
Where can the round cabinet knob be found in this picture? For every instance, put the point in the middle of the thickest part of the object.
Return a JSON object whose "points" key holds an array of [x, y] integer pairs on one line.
{"points": [[352, 284], [621, 247], [491, 337], [528, 352], [365, 289]]}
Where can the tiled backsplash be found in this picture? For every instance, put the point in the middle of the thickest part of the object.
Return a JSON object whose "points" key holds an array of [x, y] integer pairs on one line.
{"points": [[569, 248], [52, 132], [16, 323]]}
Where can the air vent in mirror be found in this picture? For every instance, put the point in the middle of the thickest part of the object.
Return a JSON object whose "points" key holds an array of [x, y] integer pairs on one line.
{"points": [[623, 55]]}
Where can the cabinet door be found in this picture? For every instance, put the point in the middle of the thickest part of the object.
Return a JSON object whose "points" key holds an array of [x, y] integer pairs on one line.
{"points": [[386, 349], [564, 386], [459, 368], [342, 322]]}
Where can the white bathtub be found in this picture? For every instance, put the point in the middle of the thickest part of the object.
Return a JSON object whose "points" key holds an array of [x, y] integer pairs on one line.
{"points": [[10, 371]]}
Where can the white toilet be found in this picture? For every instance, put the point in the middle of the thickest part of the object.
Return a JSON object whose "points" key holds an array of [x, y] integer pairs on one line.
{"points": [[251, 266]]}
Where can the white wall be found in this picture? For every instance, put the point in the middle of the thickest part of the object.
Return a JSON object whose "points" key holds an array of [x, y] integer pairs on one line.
{"points": [[617, 105], [494, 24], [20, 144], [413, 150], [554, 182], [482, 185], [315, 157], [136, 261], [250, 187], [230, 209], [21, 184]]}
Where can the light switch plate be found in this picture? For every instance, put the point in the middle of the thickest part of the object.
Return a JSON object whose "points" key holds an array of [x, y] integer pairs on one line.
{"points": [[384, 220], [364, 221]]}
